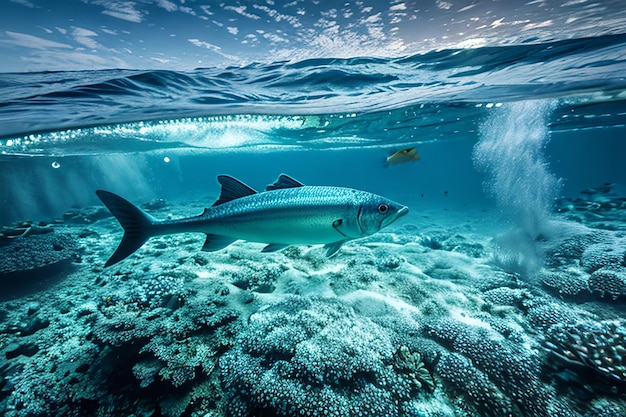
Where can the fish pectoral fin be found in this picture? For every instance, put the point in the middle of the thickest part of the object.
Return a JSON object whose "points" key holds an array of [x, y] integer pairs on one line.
{"points": [[232, 189], [216, 242], [284, 181], [274, 247], [332, 248]]}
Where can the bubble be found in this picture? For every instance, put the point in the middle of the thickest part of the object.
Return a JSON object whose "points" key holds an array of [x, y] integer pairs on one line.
{"points": [[166, 159], [56, 165], [511, 153]]}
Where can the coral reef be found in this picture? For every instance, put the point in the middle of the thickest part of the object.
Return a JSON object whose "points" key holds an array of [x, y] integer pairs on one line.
{"points": [[591, 345], [500, 377], [568, 283], [150, 335], [314, 356], [506, 296], [609, 281], [258, 277], [444, 240], [588, 264], [30, 253], [545, 313], [604, 255], [478, 393]]}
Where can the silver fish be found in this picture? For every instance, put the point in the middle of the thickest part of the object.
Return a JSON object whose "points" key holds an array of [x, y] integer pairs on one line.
{"points": [[287, 213]]}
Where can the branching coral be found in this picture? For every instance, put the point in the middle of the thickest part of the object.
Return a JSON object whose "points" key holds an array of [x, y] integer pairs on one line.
{"points": [[591, 345]]}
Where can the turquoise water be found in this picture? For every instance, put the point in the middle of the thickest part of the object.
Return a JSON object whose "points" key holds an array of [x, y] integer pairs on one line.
{"points": [[91, 120], [501, 293]]}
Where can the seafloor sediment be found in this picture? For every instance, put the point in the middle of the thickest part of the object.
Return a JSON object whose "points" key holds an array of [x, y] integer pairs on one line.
{"points": [[432, 318]]}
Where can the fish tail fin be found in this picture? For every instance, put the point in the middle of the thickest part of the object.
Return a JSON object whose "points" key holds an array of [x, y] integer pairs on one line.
{"points": [[138, 226]]}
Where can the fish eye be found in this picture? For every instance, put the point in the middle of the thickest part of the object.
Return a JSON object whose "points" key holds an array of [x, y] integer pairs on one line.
{"points": [[383, 208]]}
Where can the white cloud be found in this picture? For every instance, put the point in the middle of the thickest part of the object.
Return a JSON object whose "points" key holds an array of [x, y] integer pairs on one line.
{"points": [[30, 41], [203, 44], [543, 24], [573, 3], [375, 18], [61, 30], [233, 30], [399, 6], [187, 10], [242, 11], [497, 23], [278, 17], [161, 60], [213, 48], [24, 3], [444, 5], [85, 37], [124, 10], [466, 8], [172, 7], [167, 5], [330, 14], [275, 38], [250, 39]]}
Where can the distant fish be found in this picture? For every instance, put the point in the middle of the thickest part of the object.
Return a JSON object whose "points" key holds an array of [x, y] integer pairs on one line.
{"points": [[287, 213], [403, 156], [605, 188]]}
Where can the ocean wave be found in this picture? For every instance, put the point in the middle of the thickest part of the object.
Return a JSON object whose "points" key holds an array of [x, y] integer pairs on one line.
{"points": [[590, 69]]}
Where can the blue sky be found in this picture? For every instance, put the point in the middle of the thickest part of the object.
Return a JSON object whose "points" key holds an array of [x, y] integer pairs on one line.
{"points": [[45, 35]]}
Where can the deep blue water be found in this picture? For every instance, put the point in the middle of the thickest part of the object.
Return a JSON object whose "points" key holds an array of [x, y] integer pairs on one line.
{"points": [[509, 137]]}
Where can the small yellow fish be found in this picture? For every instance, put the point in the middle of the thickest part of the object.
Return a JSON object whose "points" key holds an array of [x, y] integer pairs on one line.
{"points": [[403, 156]]}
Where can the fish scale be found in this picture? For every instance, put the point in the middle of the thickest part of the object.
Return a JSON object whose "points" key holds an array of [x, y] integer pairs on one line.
{"points": [[296, 215], [287, 213]]}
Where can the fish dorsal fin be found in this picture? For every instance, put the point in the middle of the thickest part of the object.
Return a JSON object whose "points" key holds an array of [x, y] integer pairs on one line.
{"points": [[284, 181], [232, 189]]}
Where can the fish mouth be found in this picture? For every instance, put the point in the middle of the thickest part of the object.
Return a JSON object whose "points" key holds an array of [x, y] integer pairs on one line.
{"points": [[403, 211]]}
